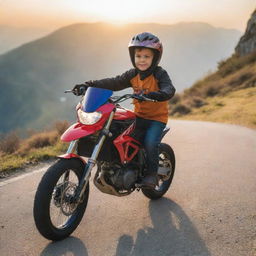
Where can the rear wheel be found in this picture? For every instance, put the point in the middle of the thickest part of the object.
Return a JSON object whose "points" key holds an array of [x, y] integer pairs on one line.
{"points": [[166, 161], [56, 213]]}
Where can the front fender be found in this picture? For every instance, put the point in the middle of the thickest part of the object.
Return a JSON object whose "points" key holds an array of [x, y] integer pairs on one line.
{"points": [[72, 155], [78, 130]]}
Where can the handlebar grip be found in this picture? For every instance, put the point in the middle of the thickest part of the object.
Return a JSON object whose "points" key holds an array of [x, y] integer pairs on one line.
{"points": [[143, 98]]}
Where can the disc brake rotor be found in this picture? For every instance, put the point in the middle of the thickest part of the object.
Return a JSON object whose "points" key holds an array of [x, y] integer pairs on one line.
{"points": [[67, 202], [166, 163]]}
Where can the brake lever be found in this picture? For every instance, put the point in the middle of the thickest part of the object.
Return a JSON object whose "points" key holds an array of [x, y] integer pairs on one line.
{"points": [[142, 98]]}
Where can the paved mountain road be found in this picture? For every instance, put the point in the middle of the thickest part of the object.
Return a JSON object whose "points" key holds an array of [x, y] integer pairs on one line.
{"points": [[209, 210]]}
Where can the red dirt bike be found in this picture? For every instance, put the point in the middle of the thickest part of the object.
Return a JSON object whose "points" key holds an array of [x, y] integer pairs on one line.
{"points": [[102, 137]]}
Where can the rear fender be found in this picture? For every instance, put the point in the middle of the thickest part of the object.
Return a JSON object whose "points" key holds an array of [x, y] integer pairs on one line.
{"points": [[166, 129]]}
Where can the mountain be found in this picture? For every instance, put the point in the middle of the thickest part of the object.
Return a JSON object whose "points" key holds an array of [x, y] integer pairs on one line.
{"points": [[229, 94], [34, 76], [12, 37], [247, 43]]}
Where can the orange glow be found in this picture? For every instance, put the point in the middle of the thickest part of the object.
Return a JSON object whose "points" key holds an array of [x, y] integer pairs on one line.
{"points": [[46, 13]]}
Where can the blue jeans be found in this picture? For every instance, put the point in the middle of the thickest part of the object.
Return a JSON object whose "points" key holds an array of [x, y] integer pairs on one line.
{"points": [[150, 136]]}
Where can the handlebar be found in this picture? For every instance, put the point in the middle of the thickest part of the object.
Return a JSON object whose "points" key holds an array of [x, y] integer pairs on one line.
{"points": [[82, 90], [124, 97], [68, 91], [132, 96]]}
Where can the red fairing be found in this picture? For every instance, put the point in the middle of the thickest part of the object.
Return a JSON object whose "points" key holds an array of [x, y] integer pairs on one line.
{"points": [[126, 145], [79, 130], [123, 114]]}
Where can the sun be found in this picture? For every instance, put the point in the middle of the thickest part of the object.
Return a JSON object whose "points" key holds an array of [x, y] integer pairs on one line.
{"points": [[115, 11]]}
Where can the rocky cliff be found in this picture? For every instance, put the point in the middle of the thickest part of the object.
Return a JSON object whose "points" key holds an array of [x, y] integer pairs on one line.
{"points": [[247, 43]]}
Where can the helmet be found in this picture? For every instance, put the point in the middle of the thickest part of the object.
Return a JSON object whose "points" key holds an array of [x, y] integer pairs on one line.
{"points": [[146, 40]]}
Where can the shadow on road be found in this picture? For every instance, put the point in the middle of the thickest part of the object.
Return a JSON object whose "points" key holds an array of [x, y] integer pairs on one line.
{"points": [[172, 234], [69, 246]]}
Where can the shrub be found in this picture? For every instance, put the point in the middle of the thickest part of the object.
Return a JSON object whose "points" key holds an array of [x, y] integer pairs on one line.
{"points": [[251, 82], [239, 80], [234, 63], [175, 99], [38, 140], [41, 140], [61, 126], [197, 102], [212, 90], [181, 109], [10, 143]]}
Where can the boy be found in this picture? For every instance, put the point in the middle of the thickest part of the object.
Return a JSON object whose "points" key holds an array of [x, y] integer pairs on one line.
{"points": [[153, 82]]}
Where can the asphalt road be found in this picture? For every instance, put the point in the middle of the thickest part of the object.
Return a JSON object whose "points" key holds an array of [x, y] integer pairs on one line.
{"points": [[209, 210]]}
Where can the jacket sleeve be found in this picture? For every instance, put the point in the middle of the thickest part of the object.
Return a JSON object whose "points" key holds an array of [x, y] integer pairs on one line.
{"points": [[166, 89], [117, 83]]}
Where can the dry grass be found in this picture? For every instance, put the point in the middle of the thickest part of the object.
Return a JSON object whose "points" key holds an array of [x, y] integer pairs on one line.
{"points": [[16, 153], [61, 126], [12, 162], [235, 63], [38, 140], [9, 143], [228, 95], [238, 107]]}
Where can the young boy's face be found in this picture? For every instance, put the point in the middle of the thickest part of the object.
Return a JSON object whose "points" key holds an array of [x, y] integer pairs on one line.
{"points": [[143, 58]]}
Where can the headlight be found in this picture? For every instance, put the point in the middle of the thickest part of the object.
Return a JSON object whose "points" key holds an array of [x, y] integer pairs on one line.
{"points": [[88, 118]]}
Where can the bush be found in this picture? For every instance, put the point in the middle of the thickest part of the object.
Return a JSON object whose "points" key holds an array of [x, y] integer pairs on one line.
{"points": [[39, 140], [239, 80], [181, 109], [10, 143], [251, 82], [61, 126], [212, 90], [234, 63], [175, 99], [197, 102]]}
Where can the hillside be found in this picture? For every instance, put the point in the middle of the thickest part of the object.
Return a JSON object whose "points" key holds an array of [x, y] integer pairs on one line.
{"points": [[34, 76], [229, 94]]}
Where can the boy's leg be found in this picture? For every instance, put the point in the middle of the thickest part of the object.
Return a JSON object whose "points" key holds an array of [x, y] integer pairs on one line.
{"points": [[152, 140]]}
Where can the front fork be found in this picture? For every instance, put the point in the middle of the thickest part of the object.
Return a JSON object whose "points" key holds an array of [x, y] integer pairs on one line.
{"points": [[92, 160]]}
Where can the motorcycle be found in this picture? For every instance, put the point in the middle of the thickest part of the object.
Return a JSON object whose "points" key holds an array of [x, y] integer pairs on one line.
{"points": [[103, 136]]}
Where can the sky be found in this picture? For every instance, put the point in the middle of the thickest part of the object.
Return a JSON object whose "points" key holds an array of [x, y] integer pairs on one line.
{"points": [[57, 13]]}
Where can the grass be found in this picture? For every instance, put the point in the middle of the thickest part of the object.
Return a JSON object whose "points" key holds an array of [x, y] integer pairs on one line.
{"points": [[17, 153], [227, 96], [237, 107], [12, 162]]}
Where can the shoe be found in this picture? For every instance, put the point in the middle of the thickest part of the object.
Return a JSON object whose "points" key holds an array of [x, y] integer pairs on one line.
{"points": [[150, 181]]}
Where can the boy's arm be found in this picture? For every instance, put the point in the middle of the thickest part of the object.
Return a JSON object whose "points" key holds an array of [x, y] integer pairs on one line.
{"points": [[166, 89], [116, 83]]}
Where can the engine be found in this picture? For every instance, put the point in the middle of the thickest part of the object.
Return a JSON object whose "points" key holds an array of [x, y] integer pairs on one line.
{"points": [[122, 178]]}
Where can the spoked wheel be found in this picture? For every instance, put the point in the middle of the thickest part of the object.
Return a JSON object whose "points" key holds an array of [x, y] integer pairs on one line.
{"points": [[56, 212], [167, 163]]}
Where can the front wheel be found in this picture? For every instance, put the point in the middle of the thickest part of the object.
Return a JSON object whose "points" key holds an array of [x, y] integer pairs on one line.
{"points": [[56, 213], [167, 161]]}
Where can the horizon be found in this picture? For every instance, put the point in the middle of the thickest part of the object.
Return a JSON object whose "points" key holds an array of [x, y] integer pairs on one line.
{"points": [[45, 14]]}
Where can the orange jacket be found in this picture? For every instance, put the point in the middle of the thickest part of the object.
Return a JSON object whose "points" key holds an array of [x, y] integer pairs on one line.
{"points": [[157, 86]]}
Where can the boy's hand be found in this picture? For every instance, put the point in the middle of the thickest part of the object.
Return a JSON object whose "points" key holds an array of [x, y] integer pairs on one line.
{"points": [[79, 89]]}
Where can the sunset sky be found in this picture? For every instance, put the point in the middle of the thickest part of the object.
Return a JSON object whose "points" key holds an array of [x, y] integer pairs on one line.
{"points": [[56, 13]]}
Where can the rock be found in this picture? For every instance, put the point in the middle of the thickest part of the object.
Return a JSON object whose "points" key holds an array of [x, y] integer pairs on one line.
{"points": [[247, 43]]}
